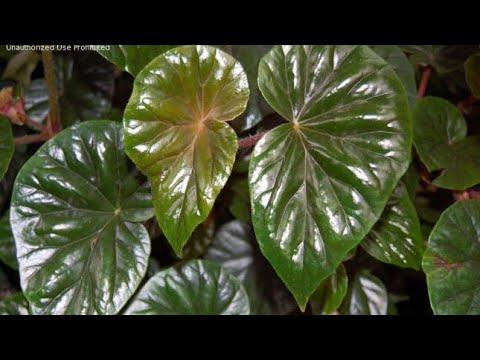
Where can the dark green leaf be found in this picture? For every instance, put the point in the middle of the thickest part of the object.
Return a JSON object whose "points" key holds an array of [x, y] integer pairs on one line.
{"points": [[14, 305], [320, 182], [197, 287], [36, 100], [75, 217], [240, 202], [411, 180], [234, 248], [472, 74], [440, 137], [8, 252], [426, 209], [200, 240], [176, 132], [330, 294], [133, 58], [85, 88], [7, 147], [249, 56], [395, 57], [397, 238], [366, 296], [452, 260]]}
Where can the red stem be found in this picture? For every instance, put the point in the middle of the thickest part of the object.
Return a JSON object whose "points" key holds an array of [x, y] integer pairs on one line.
{"points": [[427, 70], [35, 125], [250, 141], [30, 139]]}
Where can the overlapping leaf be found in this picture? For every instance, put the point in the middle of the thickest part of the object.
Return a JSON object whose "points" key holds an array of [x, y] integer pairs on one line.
{"points": [[319, 183], [330, 294], [74, 215], [176, 132], [197, 287], [14, 305], [366, 296]]}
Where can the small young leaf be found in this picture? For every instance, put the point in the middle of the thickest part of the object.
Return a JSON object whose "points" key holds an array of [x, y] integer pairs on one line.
{"points": [[330, 294], [8, 252], [319, 183], [234, 249], [75, 217], [366, 296], [7, 147], [176, 132], [197, 287], [395, 57], [452, 260], [15, 304], [472, 74], [440, 137], [397, 238], [133, 58]]}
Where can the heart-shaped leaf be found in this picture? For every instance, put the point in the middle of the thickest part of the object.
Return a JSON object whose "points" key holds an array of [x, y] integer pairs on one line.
{"points": [[319, 183], [8, 252], [14, 305], [472, 74], [176, 132], [249, 56], [234, 249], [7, 147], [197, 287], [452, 260], [75, 217], [395, 57], [397, 237], [366, 296], [440, 137], [330, 294], [133, 58]]}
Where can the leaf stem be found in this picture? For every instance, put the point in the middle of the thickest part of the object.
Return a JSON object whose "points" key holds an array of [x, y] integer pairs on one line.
{"points": [[30, 139], [250, 141], [35, 125], [49, 69], [422, 88]]}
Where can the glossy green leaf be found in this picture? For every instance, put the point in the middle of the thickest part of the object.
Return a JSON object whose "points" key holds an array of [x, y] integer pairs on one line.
{"points": [[197, 287], [395, 57], [8, 252], [366, 296], [319, 183], [14, 305], [240, 203], [200, 240], [85, 88], [133, 58], [249, 56], [75, 217], [330, 294], [452, 260], [472, 74], [176, 132], [397, 237], [7, 147], [234, 249], [36, 100], [440, 137]]}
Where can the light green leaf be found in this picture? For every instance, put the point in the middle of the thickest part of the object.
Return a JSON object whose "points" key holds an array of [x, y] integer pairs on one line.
{"points": [[176, 132], [320, 182]]}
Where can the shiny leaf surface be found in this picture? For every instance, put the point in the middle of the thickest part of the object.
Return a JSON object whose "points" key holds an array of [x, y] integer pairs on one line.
{"points": [[452, 260], [133, 58], [8, 252], [397, 237], [74, 215], [7, 146], [395, 57], [249, 56], [197, 287], [440, 137], [14, 305], [472, 74], [319, 183], [366, 296], [330, 294], [36, 100], [176, 132], [234, 249]]}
